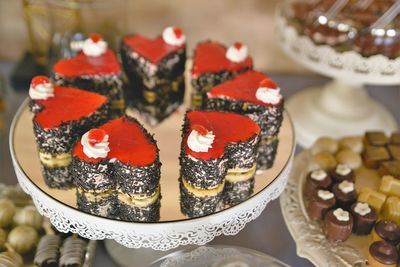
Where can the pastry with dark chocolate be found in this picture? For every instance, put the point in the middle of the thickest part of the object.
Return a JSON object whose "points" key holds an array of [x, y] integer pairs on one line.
{"points": [[214, 145], [382, 254], [386, 230], [373, 156], [115, 166], [61, 116], [390, 168], [345, 193], [341, 173], [364, 218], [73, 252], [213, 64], [320, 203], [255, 95], [48, 251], [96, 69], [317, 179], [155, 69], [338, 225]]}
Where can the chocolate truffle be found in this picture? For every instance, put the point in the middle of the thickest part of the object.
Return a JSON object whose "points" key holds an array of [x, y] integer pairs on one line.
{"points": [[338, 225], [386, 230], [381, 253], [342, 172], [345, 193], [364, 218], [317, 179], [320, 203]]}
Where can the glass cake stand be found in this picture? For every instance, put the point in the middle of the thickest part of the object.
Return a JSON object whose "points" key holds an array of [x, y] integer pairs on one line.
{"points": [[342, 107], [173, 229]]}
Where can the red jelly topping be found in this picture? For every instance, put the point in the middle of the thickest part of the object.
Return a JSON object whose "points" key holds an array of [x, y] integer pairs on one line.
{"points": [[81, 65], [210, 57], [95, 37], [243, 87], [178, 32], [153, 50], [237, 45], [95, 136], [227, 127], [200, 129], [41, 79], [68, 104], [127, 142]]}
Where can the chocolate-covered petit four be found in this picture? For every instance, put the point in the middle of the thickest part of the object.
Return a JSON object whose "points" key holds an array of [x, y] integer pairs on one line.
{"points": [[342, 172], [390, 168], [386, 230], [345, 193], [395, 139], [317, 179], [338, 225], [364, 218], [48, 251], [375, 138], [394, 151], [320, 203], [382, 254], [73, 252], [373, 156]]}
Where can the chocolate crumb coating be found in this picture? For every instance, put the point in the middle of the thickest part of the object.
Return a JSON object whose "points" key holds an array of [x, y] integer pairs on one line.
{"points": [[344, 199], [48, 251], [73, 252], [386, 230], [102, 204], [93, 177], [318, 206], [337, 230], [235, 193], [312, 184], [363, 223], [267, 153], [132, 213], [197, 206], [382, 253], [58, 177]]}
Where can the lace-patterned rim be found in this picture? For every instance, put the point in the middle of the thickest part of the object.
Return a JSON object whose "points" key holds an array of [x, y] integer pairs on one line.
{"points": [[346, 66], [159, 236], [308, 234]]}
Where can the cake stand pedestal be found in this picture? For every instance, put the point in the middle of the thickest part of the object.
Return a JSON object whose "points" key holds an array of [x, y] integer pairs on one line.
{"points": [[342, 107], [174, 229]]}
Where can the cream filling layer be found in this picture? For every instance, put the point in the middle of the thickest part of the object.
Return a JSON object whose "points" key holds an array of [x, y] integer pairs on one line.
{"points": [[141, 202], [200, 192], [93, 196], [238, 175], [55, 160], [118, 104]]}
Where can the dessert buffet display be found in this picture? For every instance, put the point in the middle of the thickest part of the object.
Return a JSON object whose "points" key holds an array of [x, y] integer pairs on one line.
{"points": [[27, 239], [344, 196], [103, 174], [356, 42]]}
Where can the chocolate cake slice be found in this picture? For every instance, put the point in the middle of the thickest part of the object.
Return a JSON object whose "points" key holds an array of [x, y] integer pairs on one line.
{"points": [[96, 69], [61, 116], [213, 63], [116, 169], [217, 148], [255, 95], [155, 68]]}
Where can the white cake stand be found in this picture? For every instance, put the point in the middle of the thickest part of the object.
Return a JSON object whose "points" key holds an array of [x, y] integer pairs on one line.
{"points": [[342, 107], [174, 229]]}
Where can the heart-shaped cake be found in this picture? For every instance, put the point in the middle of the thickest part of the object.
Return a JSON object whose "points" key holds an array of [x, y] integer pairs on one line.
{"points": [[257, 96], [213, 63], [217, 148], [61, 116], [95, 68], [116, 169]]}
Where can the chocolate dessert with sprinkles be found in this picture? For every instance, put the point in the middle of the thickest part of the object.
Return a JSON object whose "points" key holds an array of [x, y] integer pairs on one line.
{"points": [[61, 116], [96, 69], [155, 69], [116, 169], [213, 64], [218, 149], [255, 95]]}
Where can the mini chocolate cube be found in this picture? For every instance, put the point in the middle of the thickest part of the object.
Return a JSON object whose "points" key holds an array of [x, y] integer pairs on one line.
{"points": [[390, 168], [394, 152], [395, 139], [373, 156], [375, 138]]}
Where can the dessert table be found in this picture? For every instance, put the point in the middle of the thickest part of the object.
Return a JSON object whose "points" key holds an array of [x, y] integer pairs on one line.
{"points": [[268, 233]]}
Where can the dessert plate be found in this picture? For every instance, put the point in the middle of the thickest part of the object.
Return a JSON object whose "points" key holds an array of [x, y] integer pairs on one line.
{"points": [[308, 234], [174, 228]]}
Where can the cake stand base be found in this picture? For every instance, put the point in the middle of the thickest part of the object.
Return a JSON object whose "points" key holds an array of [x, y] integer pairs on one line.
{"points": [[128, 257], [336, 110]]}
